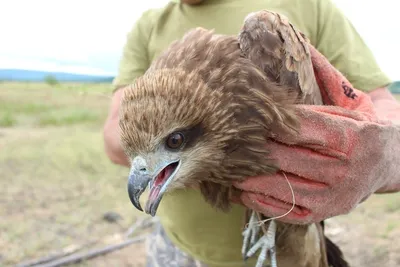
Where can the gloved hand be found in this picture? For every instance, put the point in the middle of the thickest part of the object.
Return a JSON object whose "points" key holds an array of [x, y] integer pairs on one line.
{"points": [[343, 154]]}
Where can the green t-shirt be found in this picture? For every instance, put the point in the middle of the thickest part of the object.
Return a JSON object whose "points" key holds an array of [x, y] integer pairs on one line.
{"points": [[192, 225]]}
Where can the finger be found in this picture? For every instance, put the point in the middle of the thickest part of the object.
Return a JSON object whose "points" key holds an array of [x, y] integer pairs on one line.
{"points": [[274, 209], [310, 167], [284, 184], [286, 188], [329, 130], [335, 88]]}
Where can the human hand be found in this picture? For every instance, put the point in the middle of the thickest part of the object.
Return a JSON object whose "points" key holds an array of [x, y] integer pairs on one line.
{"points": [[343, 153]]}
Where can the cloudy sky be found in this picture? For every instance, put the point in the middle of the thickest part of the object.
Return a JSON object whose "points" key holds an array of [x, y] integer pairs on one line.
{"points": [[87, 36]]}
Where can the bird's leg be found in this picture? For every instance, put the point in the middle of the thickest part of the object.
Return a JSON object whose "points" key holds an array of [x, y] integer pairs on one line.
{"points": [[265, 243], [250, 234]]}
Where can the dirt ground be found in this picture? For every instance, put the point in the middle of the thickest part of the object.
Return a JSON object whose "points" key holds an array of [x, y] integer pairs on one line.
{"points": [[56, 184]]}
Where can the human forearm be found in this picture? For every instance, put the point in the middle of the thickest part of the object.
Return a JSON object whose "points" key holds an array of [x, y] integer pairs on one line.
{"points": [[112, 146], [387, 107], [111, 137], [392, 168]]}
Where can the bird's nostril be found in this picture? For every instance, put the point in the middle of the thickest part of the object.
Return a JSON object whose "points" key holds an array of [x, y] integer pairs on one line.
{"points": [[142, 169]]}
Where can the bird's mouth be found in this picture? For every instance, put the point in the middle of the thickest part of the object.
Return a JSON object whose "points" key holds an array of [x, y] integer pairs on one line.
{"points": [[158, 184]]}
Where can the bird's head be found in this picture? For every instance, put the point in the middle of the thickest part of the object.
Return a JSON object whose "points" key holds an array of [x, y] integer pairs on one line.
{"points": [[174, 130]]}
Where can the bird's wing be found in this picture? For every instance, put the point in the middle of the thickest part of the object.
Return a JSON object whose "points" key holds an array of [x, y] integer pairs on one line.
{"points": [[271, 42]]}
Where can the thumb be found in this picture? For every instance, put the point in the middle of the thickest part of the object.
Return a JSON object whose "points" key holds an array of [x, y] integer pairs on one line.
{"points": [[335, 89], [324, 127]]}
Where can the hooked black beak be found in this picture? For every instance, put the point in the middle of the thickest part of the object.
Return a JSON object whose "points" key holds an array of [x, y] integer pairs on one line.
{"points": [[140, 177], [137, 183]]}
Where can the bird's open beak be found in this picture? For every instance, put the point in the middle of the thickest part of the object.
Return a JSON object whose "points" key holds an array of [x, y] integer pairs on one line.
{"points": [[141, 176]]}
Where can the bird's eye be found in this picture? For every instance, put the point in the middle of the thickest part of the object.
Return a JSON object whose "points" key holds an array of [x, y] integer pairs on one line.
{"points": [[175, 140]]}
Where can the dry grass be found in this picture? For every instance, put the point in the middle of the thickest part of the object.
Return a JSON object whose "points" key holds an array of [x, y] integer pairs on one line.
{"points": [[56, 183]]}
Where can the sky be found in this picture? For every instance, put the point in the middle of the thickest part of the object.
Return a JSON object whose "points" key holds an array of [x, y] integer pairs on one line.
{"points": [[87, 36]]}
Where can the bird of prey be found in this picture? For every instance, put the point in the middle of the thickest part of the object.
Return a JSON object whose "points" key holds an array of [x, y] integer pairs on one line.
{"points": [[201, 115]]}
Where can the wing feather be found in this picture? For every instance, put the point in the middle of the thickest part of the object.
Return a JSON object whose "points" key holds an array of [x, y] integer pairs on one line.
{"points": [[272, 43]]}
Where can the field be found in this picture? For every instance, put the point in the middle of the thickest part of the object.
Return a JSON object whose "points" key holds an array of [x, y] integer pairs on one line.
{"points": [[56, 184]]}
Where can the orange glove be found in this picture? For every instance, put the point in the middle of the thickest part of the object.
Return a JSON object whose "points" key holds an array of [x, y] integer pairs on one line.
{"points": [[343, 154]]}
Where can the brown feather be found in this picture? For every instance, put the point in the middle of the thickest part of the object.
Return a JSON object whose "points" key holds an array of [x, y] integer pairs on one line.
{"points": [[271, 42]]}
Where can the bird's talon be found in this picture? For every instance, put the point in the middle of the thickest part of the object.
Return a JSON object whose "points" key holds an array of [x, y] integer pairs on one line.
{"points": [[265, 243], [249, 235]]}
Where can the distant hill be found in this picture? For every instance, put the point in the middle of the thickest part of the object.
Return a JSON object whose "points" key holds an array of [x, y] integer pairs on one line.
{"points": [[40, 76], [395, 87]]}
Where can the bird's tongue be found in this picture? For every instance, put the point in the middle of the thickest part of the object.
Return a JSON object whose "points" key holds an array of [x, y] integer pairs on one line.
{"points": [[161, 178]]}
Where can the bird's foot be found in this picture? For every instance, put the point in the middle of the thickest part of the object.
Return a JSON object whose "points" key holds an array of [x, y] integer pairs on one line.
{"points": [[266, 242], [250, 234]]}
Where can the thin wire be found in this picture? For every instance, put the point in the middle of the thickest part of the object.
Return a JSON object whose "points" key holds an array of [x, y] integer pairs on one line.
{"points": [[283, 215]]}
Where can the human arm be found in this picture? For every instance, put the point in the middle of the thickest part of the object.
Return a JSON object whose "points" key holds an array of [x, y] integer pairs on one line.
{"points": [[387, 107], [386, 104], [134, 63], [111, 135], [344, 152]]}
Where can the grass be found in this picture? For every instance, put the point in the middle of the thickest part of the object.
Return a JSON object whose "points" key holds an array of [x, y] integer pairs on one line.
{"points": [[37, 104], [7, 119], [56, 182]]}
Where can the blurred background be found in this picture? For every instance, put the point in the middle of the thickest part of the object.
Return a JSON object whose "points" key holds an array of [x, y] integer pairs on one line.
{"points": [[59, 193]]}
